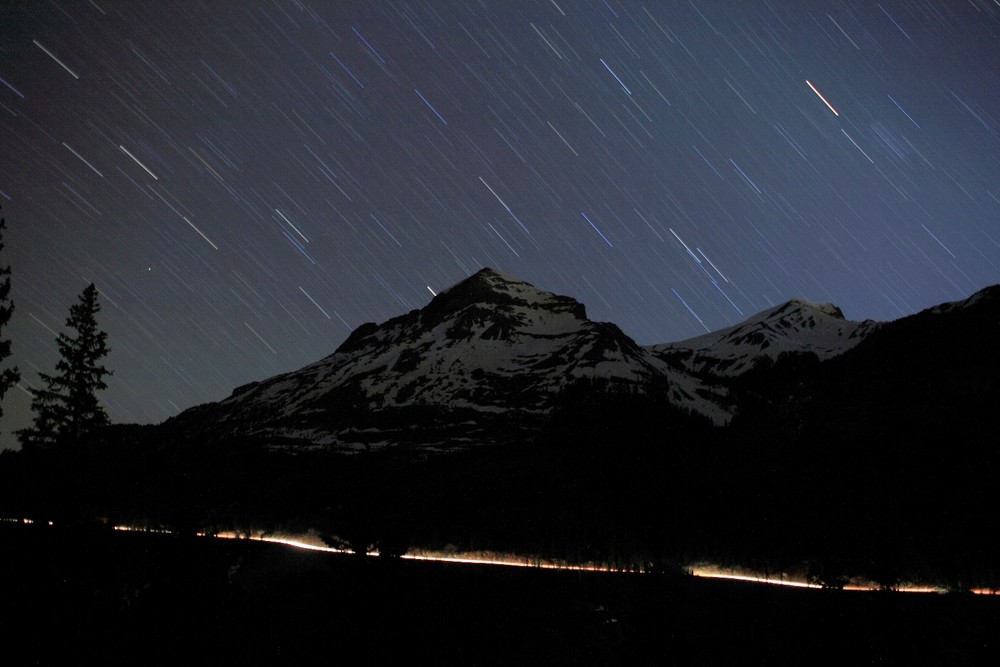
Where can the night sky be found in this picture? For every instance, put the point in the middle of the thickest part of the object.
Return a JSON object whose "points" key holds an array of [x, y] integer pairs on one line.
{"points": [[246, 182]]}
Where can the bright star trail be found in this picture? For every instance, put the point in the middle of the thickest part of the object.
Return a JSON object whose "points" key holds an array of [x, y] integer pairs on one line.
{"points": [[246, 182], [825, 101]]}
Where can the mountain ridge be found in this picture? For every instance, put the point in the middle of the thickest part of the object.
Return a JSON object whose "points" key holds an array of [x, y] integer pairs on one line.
{"points": [[491, 356], [796, 326], [488, 345], [874, 465]]}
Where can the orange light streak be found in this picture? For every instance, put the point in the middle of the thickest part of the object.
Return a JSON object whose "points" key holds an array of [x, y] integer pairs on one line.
{"points": [[754, 579], [703, 571]]}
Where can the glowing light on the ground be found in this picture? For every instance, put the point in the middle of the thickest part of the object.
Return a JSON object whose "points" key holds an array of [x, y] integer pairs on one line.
{"points": [[507, 561], [142, 529], [312, 542], [511, 560], [297, 541], [714, 572], [711, 573]]}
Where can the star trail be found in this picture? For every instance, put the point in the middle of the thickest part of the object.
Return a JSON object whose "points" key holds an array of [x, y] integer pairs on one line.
{"points": [[246, 182]]}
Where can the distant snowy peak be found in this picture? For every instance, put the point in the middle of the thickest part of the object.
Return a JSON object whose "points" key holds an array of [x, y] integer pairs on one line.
{"points": [[797, 326]]}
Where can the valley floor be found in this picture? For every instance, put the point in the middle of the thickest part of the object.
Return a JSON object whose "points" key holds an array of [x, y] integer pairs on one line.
{"points": [[88, 594]]}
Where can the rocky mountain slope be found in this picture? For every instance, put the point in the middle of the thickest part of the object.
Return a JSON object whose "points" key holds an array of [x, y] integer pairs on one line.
{"points": [[490, 353], [489, 359]]}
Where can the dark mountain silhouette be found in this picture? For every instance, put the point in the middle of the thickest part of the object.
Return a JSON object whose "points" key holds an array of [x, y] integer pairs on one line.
{"points": [[883, 458]]}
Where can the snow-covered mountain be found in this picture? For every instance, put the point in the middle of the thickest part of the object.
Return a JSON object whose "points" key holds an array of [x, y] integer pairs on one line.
{"points": [[490, 343], [794, 327], [489, 348], [487, 360]]}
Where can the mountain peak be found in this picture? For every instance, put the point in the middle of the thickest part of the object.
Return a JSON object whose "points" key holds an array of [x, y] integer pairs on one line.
{"points": [[489, 273], [491, 347], [826, 308], [796, 326], [491, 288], [484, 286]]}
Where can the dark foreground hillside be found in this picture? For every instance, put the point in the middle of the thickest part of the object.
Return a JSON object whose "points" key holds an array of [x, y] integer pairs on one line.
{"points": [[83, 594]]}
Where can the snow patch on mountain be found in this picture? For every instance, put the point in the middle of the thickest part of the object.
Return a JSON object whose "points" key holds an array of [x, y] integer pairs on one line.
{"points": [[797, 326], [490, 344], [487, 360]]}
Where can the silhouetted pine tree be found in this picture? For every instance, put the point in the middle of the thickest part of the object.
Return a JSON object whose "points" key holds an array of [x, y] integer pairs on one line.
{"points": [[67, 407]]}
